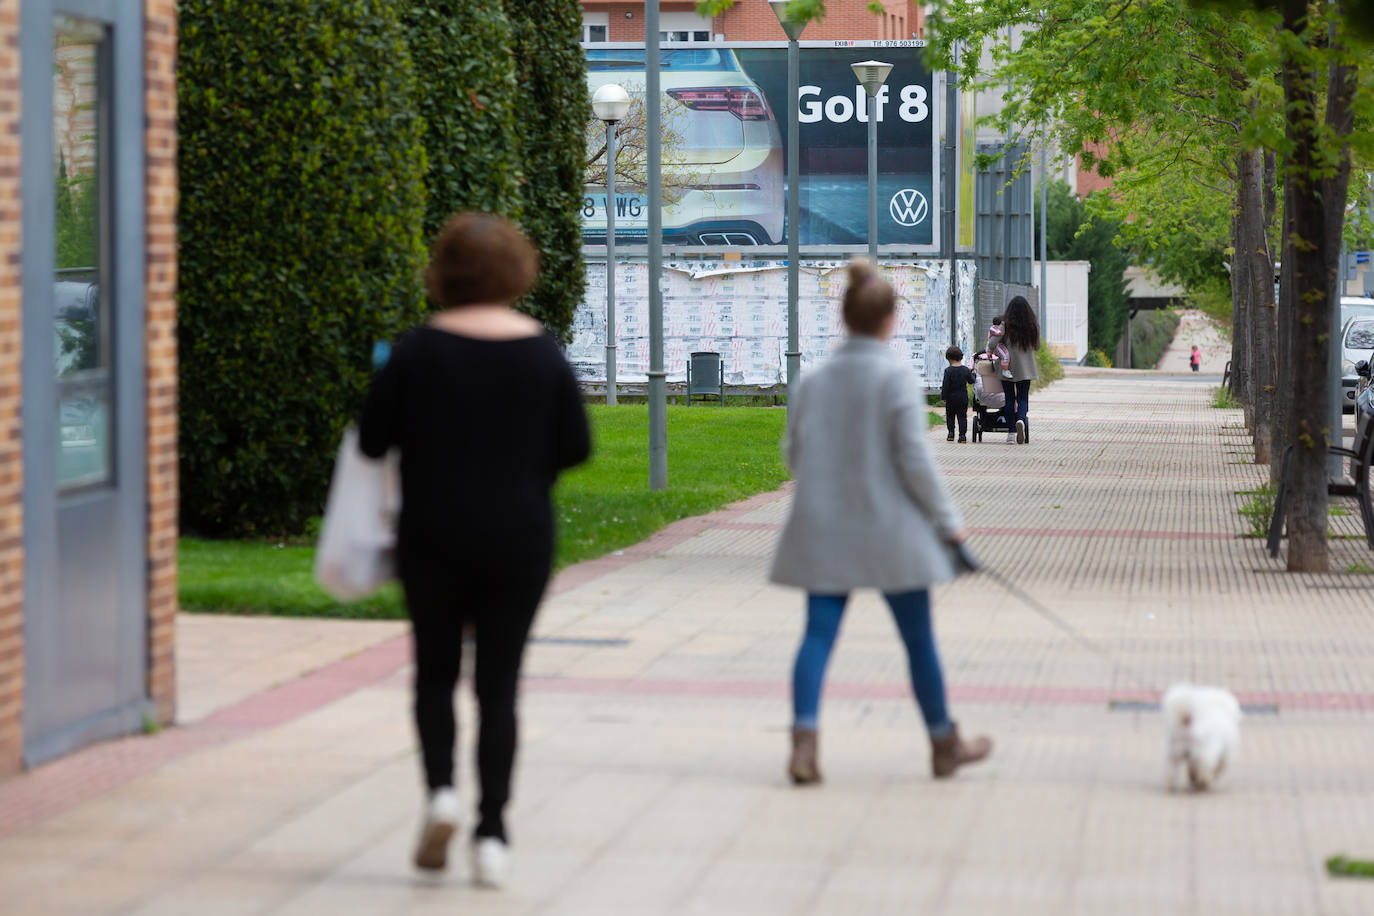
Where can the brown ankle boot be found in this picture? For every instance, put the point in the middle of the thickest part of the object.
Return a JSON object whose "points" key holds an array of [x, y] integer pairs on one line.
{"points": [[949, 753], [803, 767]]}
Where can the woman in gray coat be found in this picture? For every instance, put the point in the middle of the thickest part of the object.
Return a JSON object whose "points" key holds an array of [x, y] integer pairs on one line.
{"points": [[870, 511], [1022, 338]]}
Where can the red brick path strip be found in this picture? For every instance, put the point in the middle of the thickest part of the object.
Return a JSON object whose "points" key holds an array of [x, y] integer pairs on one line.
{"points": [[1114, 533], [967, 693], [50, 789]]}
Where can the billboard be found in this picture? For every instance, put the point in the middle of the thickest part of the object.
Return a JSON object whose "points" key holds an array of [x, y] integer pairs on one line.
{"points": [[725, 136]]}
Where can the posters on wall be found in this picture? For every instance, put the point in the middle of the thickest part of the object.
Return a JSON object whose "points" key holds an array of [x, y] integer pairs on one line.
{"points": [[725, 122], [739, 309]]}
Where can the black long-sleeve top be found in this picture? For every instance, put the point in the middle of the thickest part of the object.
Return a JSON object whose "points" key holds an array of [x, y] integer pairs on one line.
{"points": [[954, 386], [484, 427]]}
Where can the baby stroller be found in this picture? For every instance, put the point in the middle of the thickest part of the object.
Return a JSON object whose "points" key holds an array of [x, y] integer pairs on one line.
{"points": [[988, 403]]}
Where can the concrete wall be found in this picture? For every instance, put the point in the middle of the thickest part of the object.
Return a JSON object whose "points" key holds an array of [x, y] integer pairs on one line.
{"points": [[1066, 307]]}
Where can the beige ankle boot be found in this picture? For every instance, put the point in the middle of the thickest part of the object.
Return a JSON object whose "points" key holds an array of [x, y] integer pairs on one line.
{"points": [[949, 753], [803, 767]]}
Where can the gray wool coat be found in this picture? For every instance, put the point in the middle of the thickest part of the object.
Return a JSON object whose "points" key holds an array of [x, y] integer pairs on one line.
{"points": [[870, 508], [1022, 364]]}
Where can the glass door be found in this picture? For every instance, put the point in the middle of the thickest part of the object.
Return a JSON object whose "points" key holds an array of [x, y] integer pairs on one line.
{"points": [[85, 480]]}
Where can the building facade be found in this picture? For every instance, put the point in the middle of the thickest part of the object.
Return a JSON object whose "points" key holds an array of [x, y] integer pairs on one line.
{"points": [[88, 372], [749, 20]]}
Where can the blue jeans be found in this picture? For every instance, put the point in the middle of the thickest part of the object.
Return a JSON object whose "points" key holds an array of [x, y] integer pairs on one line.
{"points": [[1018, 401], [911, 610]]}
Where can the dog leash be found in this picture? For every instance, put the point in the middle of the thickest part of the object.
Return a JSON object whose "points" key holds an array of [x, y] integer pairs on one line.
{"points": [[966, 562]]}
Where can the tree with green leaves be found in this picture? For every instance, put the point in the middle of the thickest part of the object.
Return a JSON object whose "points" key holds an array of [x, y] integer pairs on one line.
{"points": [[302, 200], [1240, 100], [467, 94], [554, 111], [1157, 95]]}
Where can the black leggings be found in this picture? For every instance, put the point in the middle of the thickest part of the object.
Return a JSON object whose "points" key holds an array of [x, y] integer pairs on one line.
{"points": [[501, 614]]}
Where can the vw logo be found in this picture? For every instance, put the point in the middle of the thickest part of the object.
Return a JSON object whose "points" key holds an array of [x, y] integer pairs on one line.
{"points": [[909, 207]]}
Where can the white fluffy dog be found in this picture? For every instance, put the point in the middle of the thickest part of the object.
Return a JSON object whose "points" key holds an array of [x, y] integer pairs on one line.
{"points": [[1203, 731]]}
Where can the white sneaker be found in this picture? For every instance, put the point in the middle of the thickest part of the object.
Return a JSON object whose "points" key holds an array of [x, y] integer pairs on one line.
{"points": [[489, 862], [441, 822], [1020, 431], [1011, 437]]}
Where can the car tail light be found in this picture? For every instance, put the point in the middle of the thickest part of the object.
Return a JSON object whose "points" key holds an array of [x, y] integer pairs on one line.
{"points": [[743, 102]]}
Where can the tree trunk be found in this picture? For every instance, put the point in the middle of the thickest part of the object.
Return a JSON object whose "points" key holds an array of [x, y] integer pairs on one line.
{"points": [[1259, 296], [1283, 401], [1240, 311], [1308, 225], [1340, 122]]}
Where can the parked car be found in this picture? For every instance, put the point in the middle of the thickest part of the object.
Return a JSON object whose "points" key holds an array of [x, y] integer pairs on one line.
{"points": [[730, 149], [1355, 307], [1357, 343]]}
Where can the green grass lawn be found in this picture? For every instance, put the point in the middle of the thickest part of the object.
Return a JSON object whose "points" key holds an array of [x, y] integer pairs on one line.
{"points": [[716, 455]]}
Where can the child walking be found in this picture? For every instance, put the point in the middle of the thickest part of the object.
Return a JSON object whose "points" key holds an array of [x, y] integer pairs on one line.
{"points": [[954, 393], [1195, 360]]}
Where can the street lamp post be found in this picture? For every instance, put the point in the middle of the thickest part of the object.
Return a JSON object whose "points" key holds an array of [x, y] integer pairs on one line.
{"points": [[610, 103], [1044, 245], [793, 28], [871, 75], [658, 382]]}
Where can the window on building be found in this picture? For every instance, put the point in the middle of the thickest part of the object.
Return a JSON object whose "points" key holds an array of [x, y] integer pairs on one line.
{"points": [[596, 27], [81, 306], [684, 27]]}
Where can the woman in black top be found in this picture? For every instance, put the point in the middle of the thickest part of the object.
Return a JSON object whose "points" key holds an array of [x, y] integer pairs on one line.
{"points": [[486, 412]]}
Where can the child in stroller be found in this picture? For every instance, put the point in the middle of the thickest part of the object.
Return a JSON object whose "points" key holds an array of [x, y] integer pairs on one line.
{"points": [[988, 401]]}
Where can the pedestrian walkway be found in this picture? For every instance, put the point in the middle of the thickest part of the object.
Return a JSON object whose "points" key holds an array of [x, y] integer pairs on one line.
{"points": [[655, 721], [1195, 328]]}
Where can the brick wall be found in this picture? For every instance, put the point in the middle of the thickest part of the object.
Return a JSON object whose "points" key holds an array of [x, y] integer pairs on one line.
{"points": [[753, 20], [1089, 181], [160, 49], [11, 451]]}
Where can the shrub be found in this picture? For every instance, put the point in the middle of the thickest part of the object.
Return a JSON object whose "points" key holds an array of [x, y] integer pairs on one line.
{"points": [[554, 102], [1098, 359], [1047, 364], [302, 198], [1221, 398], [1151, 334], [466, 93], [1258, 510]]}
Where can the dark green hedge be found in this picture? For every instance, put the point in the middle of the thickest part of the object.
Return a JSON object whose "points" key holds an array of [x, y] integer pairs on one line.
{"points": [[554, 110], [302, 201], [467, 96]]}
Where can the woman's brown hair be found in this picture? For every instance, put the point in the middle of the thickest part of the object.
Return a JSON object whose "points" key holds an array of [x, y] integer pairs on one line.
{"points": [[480, 258], [868, 299], [1023, 331]]}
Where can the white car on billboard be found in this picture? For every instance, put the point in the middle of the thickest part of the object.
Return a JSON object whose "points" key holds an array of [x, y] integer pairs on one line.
{"points": [[727, 151]]}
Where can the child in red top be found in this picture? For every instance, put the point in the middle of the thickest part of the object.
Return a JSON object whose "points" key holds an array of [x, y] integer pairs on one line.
{"points": [[1195, 360]]}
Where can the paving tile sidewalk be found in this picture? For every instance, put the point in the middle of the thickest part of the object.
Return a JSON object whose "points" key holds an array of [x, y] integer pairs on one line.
{"points": [[655, 714]]}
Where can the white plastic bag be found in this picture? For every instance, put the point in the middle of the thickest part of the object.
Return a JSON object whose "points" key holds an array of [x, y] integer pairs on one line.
{"points": [[357, 550]]}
